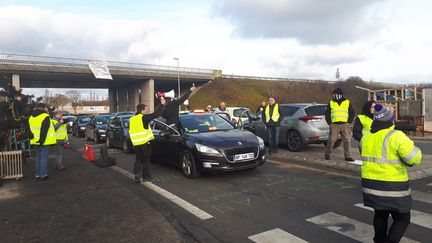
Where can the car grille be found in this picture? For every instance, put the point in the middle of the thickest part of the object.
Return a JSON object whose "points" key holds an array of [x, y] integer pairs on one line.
{"points": [[229, 154]]}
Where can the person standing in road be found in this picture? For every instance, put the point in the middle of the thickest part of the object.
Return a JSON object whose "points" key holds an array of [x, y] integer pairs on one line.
{"points": [[171, 110], [42, 135], [386, 153], [261, 107], [141, 134], [339, 115], [272, 117], [60, 128]]}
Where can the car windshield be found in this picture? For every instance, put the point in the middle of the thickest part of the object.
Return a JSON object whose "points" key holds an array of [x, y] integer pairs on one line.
{"points": [[316, 110], [204, 123], [100, 120], [126, 122], [84, 119]]}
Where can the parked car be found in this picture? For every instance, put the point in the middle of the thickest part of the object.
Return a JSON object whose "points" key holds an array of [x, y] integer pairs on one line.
{"points": [[117, 135], [79, 125], [96, 128], [124, 113], [303, 124], [69, 120], [206, 143]]}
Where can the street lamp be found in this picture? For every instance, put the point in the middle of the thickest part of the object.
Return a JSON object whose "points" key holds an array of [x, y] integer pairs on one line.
{"points": [[178, 75]]}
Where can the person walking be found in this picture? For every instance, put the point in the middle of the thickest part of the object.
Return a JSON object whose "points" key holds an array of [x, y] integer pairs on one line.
{"points": [[62, 138], [272, 117], [42, 135], [261, 107], [339, 115], [386, 153], [141, 135]]}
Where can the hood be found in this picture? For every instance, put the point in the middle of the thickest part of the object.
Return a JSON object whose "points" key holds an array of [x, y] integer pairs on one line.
{"points": [[366, 109], [37, 113], [225, 139], [102, 126]]}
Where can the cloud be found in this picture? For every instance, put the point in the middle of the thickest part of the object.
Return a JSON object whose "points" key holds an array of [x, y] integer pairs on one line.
{"points": [[32, 30], [307, 21]]}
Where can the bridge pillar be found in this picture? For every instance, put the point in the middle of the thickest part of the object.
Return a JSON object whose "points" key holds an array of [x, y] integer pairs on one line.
{"points": [[122, 98], [16, 81], [113, 99], [147, 93]]}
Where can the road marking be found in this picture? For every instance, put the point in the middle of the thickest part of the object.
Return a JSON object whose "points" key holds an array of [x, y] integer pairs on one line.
{"points": [[348, 227], [417, 217], [168, 195], [276, 236], [430, 184], [286, 165], [422, 196]]}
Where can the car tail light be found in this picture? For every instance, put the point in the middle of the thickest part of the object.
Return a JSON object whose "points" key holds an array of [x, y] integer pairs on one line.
{"points": [[315, 139], [309, 118]]}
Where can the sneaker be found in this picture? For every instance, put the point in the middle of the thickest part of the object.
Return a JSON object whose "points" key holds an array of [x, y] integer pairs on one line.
{"points": [[37, 177], [327, 157], [61, 168], [349, 159], [275, 150], [42, 178], [137, 179]]}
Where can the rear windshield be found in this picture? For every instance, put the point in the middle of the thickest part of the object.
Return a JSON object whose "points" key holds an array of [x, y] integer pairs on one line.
{"points": [[84, 119], [289, 110], [316, 110], [101, 120]]}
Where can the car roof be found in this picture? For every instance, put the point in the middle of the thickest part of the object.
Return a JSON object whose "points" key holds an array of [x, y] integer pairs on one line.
{"points": [[301, 104]]}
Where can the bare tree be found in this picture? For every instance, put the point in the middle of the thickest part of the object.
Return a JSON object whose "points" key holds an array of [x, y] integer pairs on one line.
{"points": [[59, 100], [74, 97]]}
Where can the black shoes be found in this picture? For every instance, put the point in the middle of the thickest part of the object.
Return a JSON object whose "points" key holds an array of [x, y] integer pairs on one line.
{"points": [[349, 159], [42, 178], [137, 179], [327, 157]]}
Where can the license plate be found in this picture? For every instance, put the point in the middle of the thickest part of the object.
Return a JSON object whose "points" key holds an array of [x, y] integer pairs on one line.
{"points": [[238, 157]]}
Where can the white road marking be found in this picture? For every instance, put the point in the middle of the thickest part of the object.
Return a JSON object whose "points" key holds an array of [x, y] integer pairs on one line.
{"points": [[430, 184], [356, 162], [422, 196], [348, 227], [168, 195], [276, 236], [417, 217]]}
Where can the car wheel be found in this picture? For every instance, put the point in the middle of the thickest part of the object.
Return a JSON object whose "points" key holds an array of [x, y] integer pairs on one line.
{"points": [[125, 147], [188, 165], [294, 141]]}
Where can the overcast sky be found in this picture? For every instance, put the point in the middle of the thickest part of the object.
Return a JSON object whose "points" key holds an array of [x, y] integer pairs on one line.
{"points": [[380, 40]]}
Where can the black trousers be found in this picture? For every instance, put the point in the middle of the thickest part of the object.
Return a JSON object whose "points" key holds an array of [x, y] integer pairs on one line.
{"points": [[142, 160], [397, 229]]}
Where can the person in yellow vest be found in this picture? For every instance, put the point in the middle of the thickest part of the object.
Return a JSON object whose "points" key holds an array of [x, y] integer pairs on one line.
{"points": [[272, 117], [386, 153], [363, 121], [261, 107], [141, 135], [42, 136], [60, 127], [339, 115]]}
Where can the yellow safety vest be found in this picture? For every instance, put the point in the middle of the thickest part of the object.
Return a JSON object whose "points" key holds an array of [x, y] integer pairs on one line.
{"points": [[385, 180], [339, 113], [61, 132], [366, 122], [138, 134], [275, 115], [35, 124]]}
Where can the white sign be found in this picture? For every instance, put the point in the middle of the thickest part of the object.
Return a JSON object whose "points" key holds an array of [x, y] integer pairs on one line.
{"points": [[95, 108], [100, 69]]}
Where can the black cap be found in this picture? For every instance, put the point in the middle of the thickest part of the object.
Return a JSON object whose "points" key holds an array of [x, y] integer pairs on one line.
{"points": [[338, 91]]}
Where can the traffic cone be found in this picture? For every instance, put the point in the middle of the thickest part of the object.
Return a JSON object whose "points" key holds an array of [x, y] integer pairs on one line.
{"points": [[88, 153]]}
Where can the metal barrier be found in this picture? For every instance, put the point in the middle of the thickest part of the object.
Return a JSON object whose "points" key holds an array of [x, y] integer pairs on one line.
{"points": [[276, 79], [114, 65]]}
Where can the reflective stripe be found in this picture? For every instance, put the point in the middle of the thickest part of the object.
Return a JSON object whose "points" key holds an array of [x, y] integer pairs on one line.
{"points": [[379, 160], [142, 139], [340, 116], [387, 193], [411, 155], [138, 134], [344, 111], [385, 144]]}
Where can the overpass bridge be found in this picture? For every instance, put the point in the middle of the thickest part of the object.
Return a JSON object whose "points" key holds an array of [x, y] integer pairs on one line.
{"points": [[131, 81]]}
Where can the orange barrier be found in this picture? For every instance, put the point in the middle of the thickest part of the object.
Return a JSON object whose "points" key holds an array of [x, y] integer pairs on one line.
{"points": [[88, 153]]}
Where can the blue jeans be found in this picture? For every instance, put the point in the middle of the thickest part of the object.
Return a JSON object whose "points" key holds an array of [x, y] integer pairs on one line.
{"points": [[41, 160], [273, 135]]}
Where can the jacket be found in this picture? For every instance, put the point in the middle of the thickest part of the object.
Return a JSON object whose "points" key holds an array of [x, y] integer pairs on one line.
{"points": [[272, 123], [171, 110], [44, 128], [351, 112]]}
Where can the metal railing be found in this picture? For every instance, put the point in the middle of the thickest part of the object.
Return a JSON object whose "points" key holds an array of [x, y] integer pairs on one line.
{"points": [[277, 79], [113, 65]]}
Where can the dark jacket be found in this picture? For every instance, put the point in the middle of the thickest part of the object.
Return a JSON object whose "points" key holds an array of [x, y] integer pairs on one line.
{"points": [[171, 111], [272, 123], [44, 128], [147, 118], [259, 109], [351, 112]]}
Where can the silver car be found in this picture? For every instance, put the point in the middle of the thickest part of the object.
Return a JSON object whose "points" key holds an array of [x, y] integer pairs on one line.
{"points": [[303, 124]]}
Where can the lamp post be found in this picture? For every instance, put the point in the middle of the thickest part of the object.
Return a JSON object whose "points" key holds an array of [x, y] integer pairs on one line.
{"points": [[178, 78]]}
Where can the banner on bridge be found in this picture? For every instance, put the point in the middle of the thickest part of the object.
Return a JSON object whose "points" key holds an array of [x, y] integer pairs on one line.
{"points": [[100, 69]]}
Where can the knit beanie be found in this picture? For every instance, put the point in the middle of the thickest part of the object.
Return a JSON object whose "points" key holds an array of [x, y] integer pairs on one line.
{"points": [[337, 94], [383, 114]]}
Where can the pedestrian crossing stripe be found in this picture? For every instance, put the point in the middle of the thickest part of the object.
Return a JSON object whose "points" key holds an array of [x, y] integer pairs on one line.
{"points": [[422, 196], [348, 227], [276, 236], [430, 184], [417, 217]]}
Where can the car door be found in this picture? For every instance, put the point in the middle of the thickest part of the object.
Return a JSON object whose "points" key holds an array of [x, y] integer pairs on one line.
{"points": [[165, 149], [260, 128], [118, 131]]}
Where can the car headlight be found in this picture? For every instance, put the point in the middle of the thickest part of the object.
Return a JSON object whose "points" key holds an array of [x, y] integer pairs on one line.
{"points": [[101, 130], [206, 150], [82, 128], [261, 143]]}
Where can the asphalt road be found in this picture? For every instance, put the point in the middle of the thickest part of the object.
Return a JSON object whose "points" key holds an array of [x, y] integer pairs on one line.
{"points": [[280, 200]]}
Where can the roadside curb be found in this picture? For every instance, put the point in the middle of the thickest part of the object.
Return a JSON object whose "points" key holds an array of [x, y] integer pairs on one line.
{"points": [[414, 174], [425, 139]]}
